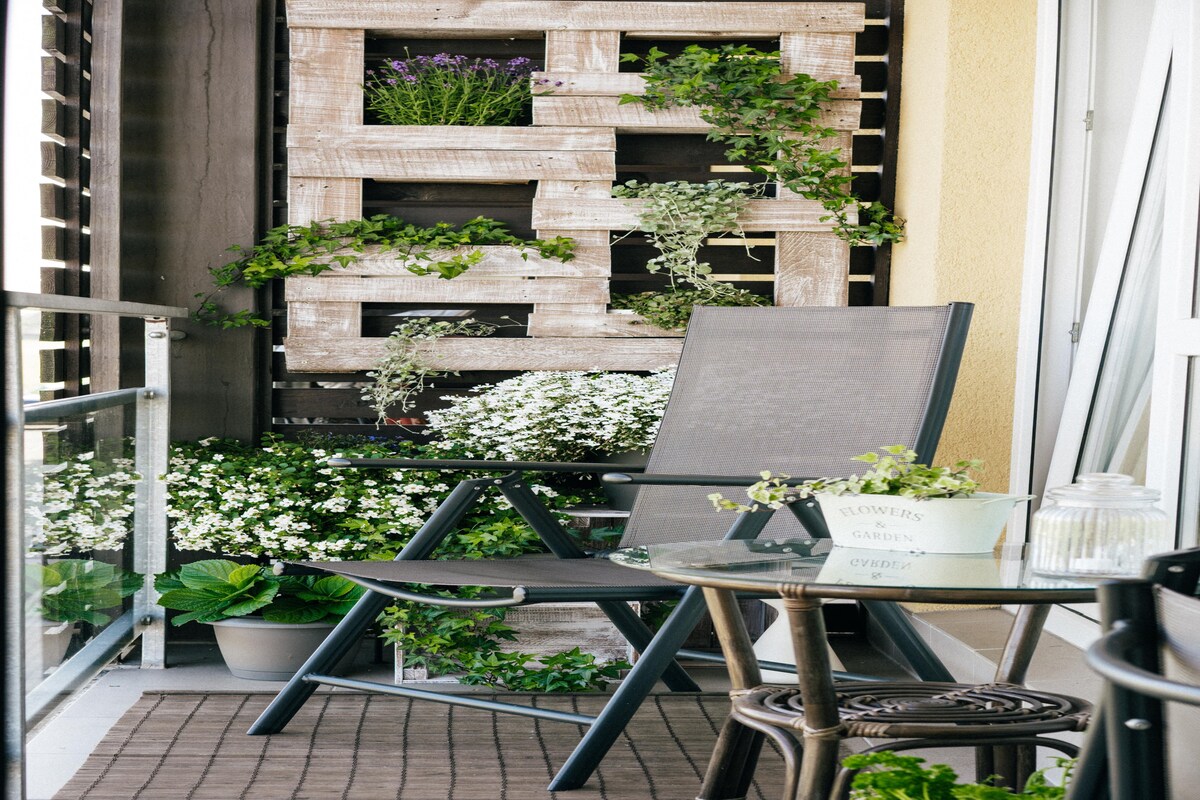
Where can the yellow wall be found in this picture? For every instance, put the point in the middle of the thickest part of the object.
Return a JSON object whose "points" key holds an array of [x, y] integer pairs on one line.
{"points": [[965, 108]]}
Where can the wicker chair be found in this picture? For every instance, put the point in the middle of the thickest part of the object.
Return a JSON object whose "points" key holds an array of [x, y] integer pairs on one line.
{"points": [[795, 390], [1147, 733]]}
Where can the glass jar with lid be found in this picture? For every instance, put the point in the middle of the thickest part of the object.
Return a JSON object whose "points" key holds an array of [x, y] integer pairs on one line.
{"points": [[1102, 526]]}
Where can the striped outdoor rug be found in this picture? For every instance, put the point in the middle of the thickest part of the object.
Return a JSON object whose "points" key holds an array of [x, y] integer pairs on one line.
{"points": [[192, 746]]}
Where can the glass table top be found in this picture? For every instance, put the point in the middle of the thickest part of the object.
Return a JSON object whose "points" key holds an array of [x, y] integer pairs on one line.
{"points": [[822, 567]]}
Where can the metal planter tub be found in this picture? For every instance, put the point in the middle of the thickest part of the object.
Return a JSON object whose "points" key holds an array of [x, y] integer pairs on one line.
{"points": [[934, 525]]}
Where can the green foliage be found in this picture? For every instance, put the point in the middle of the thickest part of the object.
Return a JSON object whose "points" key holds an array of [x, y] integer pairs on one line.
{"points": [[439, 638], [768, 122], [895, 472], [571, 671], [903, 778], [402, 372], [80, 590], [678, 217], [672, 310], [449, 90], [216, 589], [311, 249]]}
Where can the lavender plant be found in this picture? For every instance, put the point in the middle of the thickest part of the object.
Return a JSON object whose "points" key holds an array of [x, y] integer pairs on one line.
{"points": [[449, 89]]}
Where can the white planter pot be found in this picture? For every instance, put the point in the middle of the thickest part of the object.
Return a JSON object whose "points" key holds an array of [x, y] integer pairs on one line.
{"points": [[935, 525], [56, 638], [270, 651], [856, 566]]}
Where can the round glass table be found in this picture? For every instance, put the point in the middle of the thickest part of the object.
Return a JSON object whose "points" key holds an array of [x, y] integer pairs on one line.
{"points": [[805, 572]]}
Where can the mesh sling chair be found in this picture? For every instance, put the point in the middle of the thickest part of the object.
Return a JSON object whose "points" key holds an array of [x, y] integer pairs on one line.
{"points": [[1144, 740], [800, 391]]}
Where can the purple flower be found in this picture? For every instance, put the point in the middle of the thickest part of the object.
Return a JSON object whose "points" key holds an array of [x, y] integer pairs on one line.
{"points": [[490, 63], [410, 78], [397, 65], [441, 59], [391, 81], [558, 83]]}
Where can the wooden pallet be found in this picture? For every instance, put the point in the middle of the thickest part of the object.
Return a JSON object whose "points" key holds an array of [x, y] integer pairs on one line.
{"points": [[569, 151]]}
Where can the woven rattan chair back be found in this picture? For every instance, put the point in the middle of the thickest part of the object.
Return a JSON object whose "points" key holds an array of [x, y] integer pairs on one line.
{"points": [[797, 391]]}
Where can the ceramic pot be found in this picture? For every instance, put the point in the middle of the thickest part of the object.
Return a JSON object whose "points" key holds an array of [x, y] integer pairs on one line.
{"points": [[56, 638], [270, 651]]}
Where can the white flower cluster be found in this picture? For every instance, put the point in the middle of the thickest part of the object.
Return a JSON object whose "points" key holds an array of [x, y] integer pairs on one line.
{"points": [[267, 506], [555, 416], [85, 505]]}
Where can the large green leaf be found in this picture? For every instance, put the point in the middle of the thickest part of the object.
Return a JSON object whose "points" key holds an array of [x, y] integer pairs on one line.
{"points": [[209, 574], [293, 611]]}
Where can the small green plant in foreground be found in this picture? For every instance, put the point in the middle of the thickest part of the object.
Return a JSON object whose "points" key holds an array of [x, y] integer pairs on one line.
{"points": [[894, 472], [897, 777], [572, 671]]}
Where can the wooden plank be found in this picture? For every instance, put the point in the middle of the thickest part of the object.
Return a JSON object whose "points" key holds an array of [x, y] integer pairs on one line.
{"points": [[311, 199], [841, 115], [817, 54], [449, 166], [326, 77], [449, 137], [498, 262], [811, 269], [430, 289], [620, 215], [583, 51], [507, 15], [611, 324], [615, 84], [568, 190], [324, 319], [571, 308], [330, 354]]}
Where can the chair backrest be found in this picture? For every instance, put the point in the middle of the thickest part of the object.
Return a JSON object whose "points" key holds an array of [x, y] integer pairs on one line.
{"points": [[1150, 654], [797, 391]]}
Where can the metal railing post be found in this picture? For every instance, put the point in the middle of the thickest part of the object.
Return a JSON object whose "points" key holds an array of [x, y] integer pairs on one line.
{"points": [[14, 561], [151, 459]]}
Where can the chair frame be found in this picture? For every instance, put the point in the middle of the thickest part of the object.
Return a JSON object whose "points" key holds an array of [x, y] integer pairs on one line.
{"points": [[1124, 755], [658, 651]]}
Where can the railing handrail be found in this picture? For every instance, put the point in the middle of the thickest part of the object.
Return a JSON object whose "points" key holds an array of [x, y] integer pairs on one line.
{"points": [[90, 305], [65, 406]]}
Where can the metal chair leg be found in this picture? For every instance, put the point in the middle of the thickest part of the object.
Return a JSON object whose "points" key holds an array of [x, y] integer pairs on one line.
{"points": [[629, 695]]}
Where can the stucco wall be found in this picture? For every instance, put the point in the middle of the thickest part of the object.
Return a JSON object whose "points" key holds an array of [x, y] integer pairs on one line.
{"points": [[964, 139]]}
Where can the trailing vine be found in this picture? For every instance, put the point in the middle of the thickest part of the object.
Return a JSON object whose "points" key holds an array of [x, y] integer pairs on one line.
{"points": [[311, 249], [672, 311], [767, 122], [402, 372], [678, 217]]}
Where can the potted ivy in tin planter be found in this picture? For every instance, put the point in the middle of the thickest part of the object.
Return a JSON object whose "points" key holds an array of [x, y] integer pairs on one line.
{"points": [[267, 626], [897, 505]]}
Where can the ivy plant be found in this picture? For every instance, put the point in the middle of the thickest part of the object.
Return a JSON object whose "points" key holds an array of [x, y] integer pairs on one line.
{"points": [[570, 671], [894, 471], [403, 373], [769, 122], [289, 250]]}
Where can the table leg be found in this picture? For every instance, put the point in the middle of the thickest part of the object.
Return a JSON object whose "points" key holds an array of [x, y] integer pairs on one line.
{"points": [[822, 724], [731, 767], [1022, 640]]}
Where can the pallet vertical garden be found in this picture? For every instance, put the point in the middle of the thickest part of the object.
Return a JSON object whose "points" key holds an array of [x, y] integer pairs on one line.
{"points": [[568, 151]]}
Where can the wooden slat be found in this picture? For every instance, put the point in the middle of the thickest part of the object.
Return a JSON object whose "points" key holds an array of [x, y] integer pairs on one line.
{"points": [[311, 199], [498, 262], [324, 319], [448, 166], [54, 79], [583, 51], [572, 190], [448, 137], [330, 354], [53, 202], [611, 324], [508, 15], [326, 77], [620, 215], [615, 84], [841, 115], [811, 269], [431, 289], [817, 54], [571, 308]]}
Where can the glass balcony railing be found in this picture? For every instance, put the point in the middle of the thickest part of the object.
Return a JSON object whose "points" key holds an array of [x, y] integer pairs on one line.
{"points": [[85, 512]]}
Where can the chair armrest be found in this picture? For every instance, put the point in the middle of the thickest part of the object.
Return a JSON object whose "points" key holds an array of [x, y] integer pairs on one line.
{"points": [[691, 480], [467, 464]]}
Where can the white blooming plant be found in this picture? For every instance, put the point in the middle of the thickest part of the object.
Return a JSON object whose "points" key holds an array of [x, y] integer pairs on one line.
{"points": [[85, 504], [555, 416]]}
